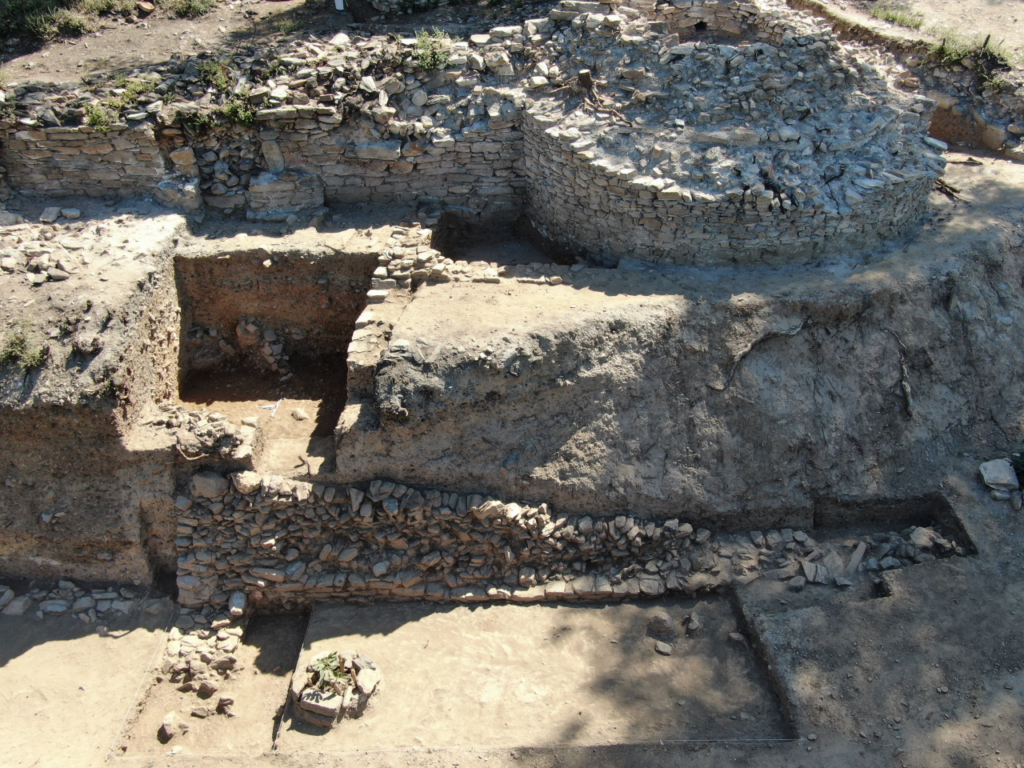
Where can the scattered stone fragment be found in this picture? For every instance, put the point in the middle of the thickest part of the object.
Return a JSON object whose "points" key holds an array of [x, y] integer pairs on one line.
{"points": [[694, 624], [999, 473], [663, 648], [660, 624], [171, 726]]}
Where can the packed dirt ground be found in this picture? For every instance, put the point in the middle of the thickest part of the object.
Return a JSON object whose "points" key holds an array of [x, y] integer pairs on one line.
{"points": [[894, 675]]}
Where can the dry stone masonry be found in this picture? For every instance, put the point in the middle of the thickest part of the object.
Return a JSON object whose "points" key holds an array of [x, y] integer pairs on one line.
{"points": [[693, 132], [267, 542]]}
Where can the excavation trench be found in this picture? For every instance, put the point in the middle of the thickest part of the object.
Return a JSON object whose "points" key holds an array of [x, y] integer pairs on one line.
{"points": [[267, 336]]}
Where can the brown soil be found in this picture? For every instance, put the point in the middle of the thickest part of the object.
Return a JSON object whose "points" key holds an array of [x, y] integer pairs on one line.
{"points": [[67, 687], [116, 46], [533, 676], [317, 388]]}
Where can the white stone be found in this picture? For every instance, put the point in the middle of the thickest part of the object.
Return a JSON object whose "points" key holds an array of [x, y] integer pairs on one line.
{"points": [[999, 473]]}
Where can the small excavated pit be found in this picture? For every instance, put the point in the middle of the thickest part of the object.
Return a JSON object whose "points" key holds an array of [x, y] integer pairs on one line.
{"points": [[268, 336], [505, 244]]}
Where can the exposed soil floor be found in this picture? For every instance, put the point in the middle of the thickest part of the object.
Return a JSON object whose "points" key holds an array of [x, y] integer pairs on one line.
{"points": [[67, 687], [316, 389], [969, 19], [504, 252], [927, 670], [534, 676]]}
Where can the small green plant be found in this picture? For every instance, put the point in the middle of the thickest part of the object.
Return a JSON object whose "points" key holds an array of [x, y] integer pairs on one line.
{"points": [[132, 89], [19, 349], [954, 48], [195, 122], [107, 7], [191, 9], [898, 13], [238, 110], [97, 116], [431, 51], [288, 26], [328, 673], [216, 74], [980, 55], [59, 22]]}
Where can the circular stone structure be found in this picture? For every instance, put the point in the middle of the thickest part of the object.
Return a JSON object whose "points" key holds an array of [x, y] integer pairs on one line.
{"points": [[711, 133]]}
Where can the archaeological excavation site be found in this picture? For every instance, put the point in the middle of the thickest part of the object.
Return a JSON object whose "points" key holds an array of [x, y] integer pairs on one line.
{"points": [[576, 384]]}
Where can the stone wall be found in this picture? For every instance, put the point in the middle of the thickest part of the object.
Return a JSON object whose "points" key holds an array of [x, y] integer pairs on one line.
{"points": [[285, 544], [595, 207], [65, 162], [760, 140], [477, 170]]}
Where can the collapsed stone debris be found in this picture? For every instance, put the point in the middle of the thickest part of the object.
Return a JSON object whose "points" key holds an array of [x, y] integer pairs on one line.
{"points": [[334, 686]]}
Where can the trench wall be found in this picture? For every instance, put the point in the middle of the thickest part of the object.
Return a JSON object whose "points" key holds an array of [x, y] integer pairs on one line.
{"points": [[311, 304], [76, 498]]}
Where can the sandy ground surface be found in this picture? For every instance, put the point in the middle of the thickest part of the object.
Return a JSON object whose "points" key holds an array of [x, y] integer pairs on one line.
{"points": [[67, 687], [538, 676], [1002, 19]]}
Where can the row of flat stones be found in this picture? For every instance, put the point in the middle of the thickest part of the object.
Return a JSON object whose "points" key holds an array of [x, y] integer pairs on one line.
{"points": [[279, 542]]}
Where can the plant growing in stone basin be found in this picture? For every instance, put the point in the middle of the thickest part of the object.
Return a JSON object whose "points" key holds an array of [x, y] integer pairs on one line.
{"points": [[328, 674]]}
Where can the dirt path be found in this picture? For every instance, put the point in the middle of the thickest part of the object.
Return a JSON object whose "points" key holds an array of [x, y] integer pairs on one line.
{"points": [[1002, 19]]}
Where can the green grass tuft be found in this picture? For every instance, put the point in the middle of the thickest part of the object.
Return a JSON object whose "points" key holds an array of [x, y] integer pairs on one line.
{"points": [[288, 26], [897, 12], [97, 116], [238, 110], [191, 9], [985, 58], [19, 349]]}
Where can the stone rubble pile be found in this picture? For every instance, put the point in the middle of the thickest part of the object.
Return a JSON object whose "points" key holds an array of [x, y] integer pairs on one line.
{"points": [[199, 434], [267, 541], [61, 246], [87, 605], [261, 346], [201, 659]]}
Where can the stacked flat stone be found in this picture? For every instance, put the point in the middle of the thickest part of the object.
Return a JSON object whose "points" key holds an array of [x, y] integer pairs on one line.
{"points": [[63, 162], [265, 541]]}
